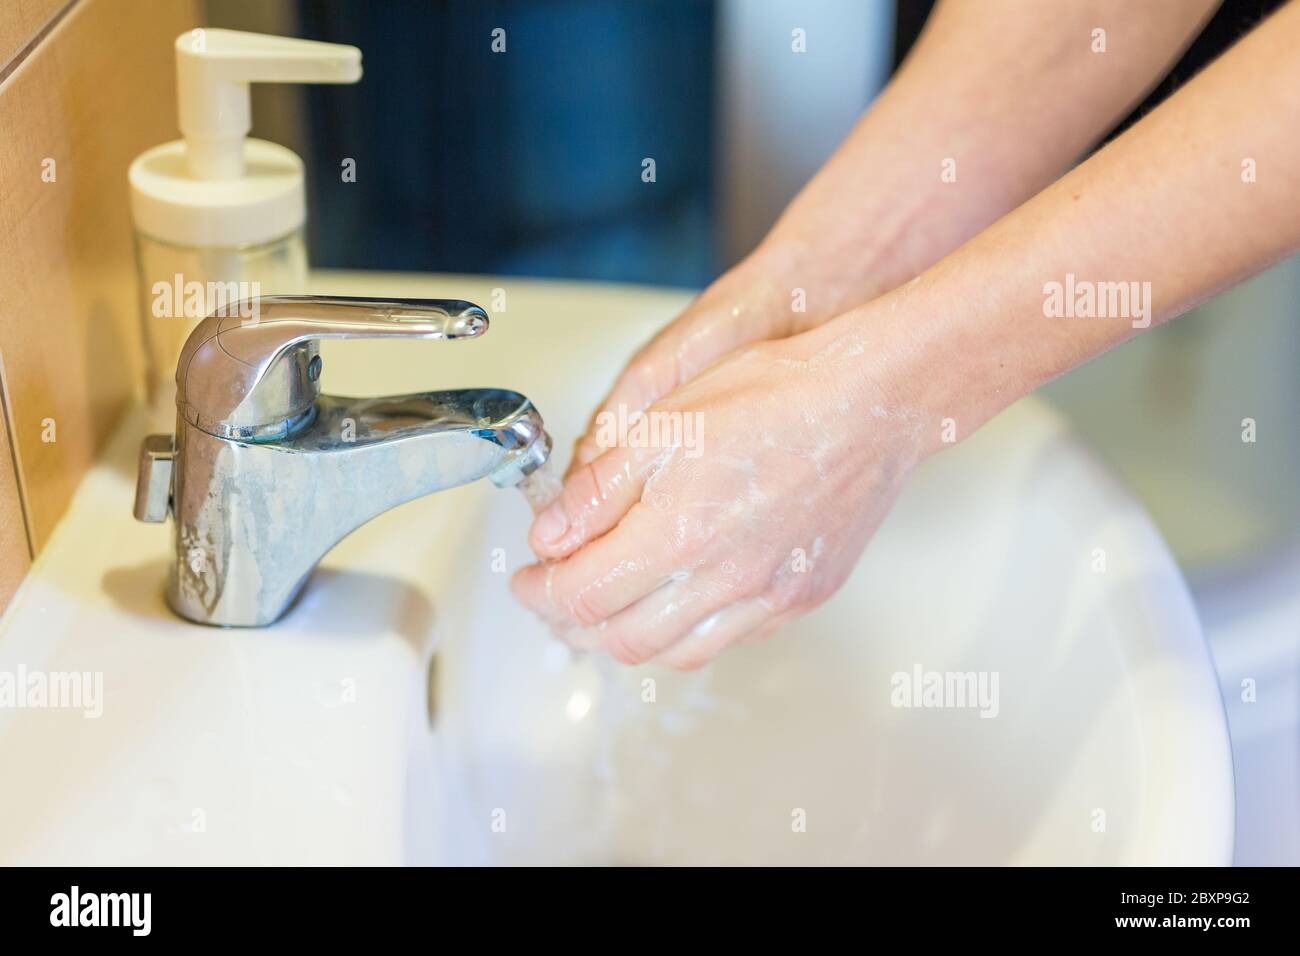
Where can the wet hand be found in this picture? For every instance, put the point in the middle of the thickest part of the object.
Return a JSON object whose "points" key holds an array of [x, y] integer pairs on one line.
{"points": [[751, 303], [742, 499]]}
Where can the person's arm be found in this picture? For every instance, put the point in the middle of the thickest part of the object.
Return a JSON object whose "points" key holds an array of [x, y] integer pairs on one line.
{"points": [[678, 552], [1201, 194], [1001, 94]]}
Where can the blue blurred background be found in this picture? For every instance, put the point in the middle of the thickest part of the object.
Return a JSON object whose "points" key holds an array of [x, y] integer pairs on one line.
{"points": [[511, 136], [524, 160]]}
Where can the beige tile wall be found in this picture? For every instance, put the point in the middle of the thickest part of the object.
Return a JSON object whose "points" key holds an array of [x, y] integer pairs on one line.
{"points": [[21, 22], [77, 106], [15, 556]]}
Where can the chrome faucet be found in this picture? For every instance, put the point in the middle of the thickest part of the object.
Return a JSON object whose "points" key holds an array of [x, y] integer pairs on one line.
{"points": [[265, 474]]}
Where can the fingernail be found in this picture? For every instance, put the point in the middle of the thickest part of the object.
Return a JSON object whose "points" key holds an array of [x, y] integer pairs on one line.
{"points": [[551, 524]]}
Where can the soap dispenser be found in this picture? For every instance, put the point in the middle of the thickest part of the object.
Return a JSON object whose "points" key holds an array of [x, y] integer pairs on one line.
{"points": [[218, 215]]}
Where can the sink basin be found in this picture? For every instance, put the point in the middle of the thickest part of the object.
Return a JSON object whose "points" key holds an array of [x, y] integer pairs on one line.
{"points": [[408, 711]]}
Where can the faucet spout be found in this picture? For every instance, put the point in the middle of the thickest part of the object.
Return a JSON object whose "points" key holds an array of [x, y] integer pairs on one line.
{"points": [[433, 441], [253, 519], [266, 474]]}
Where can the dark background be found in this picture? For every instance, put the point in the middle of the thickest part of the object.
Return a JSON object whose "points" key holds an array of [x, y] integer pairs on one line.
{"points": [[529, 163]]}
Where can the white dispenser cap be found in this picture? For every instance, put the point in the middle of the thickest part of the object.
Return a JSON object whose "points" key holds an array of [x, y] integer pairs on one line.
{"points": [[216, 187]]}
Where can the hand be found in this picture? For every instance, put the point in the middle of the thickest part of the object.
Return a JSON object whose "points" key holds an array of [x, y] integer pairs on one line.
{"points": [[787, 455], [751, 303]]}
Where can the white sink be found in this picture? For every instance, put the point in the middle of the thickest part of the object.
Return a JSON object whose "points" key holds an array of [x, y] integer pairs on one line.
{"points": [[408, 711]]}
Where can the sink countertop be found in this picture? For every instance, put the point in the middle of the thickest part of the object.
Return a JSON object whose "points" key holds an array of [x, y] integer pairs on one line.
{"points": [[309, 742]]}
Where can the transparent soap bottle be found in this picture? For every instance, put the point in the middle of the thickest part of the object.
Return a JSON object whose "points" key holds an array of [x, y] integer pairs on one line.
{"points": [[219, 216], [180, 285]]}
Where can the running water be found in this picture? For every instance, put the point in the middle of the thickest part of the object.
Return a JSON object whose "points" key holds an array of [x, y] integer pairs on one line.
{"points": [[543, 486], [623, 743], [598, 683]]}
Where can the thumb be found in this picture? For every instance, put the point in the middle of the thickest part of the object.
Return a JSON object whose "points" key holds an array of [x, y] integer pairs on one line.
{"points": [[595, 498]]}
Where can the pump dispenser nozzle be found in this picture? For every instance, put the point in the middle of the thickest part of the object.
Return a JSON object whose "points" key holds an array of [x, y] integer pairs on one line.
{"points": [[213, 70], [217, 187]]}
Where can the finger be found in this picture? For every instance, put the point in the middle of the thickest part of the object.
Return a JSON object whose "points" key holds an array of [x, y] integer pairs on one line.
{"points": [[561, 625], [745, 620], [653, 373], [665, 616], [602, 578], [594, 499]]}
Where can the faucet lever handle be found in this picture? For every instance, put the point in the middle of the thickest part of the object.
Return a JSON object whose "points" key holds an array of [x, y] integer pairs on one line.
{"points": [[252, 373]]}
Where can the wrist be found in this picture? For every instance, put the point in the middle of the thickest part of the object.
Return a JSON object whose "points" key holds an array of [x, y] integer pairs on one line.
{"points": [[816, 273], [925, 366], [763, 293]]}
